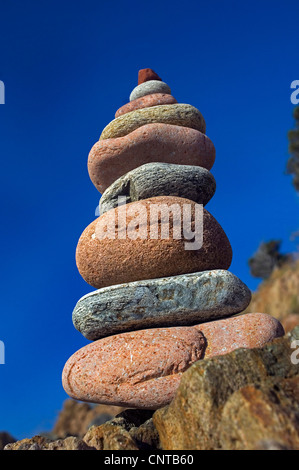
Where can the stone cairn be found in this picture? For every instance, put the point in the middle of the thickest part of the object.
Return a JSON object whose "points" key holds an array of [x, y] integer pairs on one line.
{"points": [[160, 305]]}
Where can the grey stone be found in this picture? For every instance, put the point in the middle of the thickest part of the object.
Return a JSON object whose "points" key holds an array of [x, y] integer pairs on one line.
{"points": [[160, 179], [148, 88], [170, 301]]}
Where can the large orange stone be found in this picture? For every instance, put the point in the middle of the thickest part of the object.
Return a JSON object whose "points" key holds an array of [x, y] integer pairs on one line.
{"points": [[121, 258]]}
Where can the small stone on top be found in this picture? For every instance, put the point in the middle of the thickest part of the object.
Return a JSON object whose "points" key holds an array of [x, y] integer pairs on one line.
{"points": [[144, 75]]}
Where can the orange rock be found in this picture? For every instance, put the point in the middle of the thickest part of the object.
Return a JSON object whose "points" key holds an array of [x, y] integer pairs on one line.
{"points": [[146, 102], [111, 158], [290, 322], [252, 330], [108, 261], [144, 75], [139, 369]]}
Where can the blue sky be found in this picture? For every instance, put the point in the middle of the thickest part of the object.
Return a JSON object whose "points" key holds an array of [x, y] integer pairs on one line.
{"points": [[67, 66]]}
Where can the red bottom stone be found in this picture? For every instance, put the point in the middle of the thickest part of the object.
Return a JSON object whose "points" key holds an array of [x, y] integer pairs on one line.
{"points": [[142, 369]]}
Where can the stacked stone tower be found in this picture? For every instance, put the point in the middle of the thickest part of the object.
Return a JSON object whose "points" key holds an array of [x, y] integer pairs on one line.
{"points": [[159, 261]]}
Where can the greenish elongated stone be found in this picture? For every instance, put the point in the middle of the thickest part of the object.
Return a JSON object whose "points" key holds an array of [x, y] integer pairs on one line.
{"points": [[170, 301]]}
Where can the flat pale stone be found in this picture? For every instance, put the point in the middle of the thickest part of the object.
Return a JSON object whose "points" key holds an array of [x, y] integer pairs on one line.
{"points": [[147, 101], [148, 88], [160, 179], [143, 369], [171, 301], [178, 114], [110, 159], [148, 239]]}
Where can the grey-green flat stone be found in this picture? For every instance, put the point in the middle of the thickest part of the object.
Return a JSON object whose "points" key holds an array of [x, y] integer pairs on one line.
{"points": [[160, 179], [170, 301]]}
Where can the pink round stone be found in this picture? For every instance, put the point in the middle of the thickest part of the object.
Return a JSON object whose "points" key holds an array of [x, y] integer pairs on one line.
{"points": [[167, 143], [142, 369], [139, 369], [146, 101], [252, 330]]}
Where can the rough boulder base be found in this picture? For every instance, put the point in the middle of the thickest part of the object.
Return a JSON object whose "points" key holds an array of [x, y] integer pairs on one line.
{"points": [[160, 179], [290, 322], [129, 430], [104, 261], [110, 159], [5, 438], [171, 301], [146, 102], [44, 443], [247, 400], [178, 114]]}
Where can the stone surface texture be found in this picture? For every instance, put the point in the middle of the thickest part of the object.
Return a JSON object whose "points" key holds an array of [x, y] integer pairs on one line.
{"points": [[177, 114], [129, 430], [140, 369], [5, 438], [76, 418], [43, 443], [278, 295], [244, 400], [160, 179], [290, 322], [148, 88], [259, 413], [110, 159], [147, 101], [104, 261], [110, 436], [247, 399], [171, 301], [252, 330]]}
